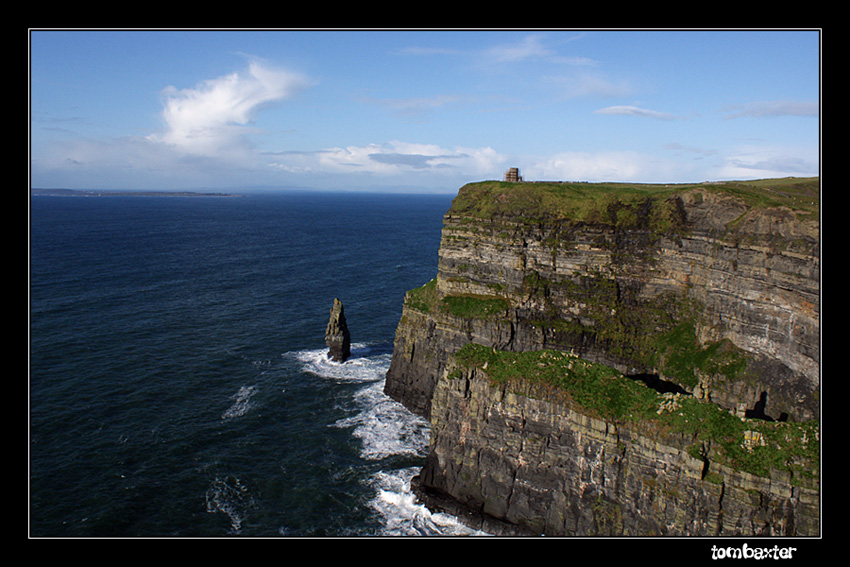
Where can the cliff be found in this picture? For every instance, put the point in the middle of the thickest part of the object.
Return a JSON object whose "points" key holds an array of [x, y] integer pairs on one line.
{"points": [[693, 297]]}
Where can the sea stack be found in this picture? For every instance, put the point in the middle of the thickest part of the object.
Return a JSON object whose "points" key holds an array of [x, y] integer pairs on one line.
{"points": [[336, 335]]}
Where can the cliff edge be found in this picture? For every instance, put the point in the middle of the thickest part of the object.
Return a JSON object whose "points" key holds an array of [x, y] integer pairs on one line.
{"points": [[704, 297]]}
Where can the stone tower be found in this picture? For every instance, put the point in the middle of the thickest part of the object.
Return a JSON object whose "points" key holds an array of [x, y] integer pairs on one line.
{"points": [[513, 175]]}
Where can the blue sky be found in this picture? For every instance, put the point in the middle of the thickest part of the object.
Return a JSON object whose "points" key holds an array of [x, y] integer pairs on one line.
{"points": [[419, 110]]}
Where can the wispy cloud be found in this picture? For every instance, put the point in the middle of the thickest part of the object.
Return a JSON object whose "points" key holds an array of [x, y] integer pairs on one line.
{"points": [[567, 76], [531, 47], [589, 85], [770, 161], [772, 108], [600, 166], [205, 138], [392, 158], [625, 110], [535, 47], [213, 116], [541, 59]]}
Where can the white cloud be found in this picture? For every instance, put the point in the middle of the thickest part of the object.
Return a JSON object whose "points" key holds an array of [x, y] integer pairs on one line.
{"points": [[751, 162], [585, 166], [757, 161], [393, 158], [589, 84], [635, 111], [529, 47], [604, 166], [212, 116], [534, 47]]}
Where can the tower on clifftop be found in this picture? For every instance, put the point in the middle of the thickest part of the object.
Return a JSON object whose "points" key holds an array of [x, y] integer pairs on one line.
{"points": [[513, 175]]}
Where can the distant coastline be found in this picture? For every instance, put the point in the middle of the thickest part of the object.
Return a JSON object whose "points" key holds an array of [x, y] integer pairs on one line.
{"points": [[108, 193]]}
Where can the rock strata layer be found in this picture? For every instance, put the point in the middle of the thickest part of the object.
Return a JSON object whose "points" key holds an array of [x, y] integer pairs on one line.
{"points": [[337, 337], [707, 291], [547, 469]]}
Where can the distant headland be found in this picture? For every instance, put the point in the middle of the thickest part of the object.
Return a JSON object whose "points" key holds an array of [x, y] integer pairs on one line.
{"points": [[110, 193]]}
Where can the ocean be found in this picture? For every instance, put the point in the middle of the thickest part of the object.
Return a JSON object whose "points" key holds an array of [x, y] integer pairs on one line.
{"points": [[179, 384]]}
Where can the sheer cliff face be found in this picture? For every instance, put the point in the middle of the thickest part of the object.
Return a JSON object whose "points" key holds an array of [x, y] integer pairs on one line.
{"points": [[696, 286], [541, 465], [708, 293]]}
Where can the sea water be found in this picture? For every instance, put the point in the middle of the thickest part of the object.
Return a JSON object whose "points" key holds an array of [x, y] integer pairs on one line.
{"points": [[179, 385]]}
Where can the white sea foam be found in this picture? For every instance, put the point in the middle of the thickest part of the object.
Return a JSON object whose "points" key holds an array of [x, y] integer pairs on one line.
{"points": [[366, 364], [385, 428], [403, 514], [230, 497], [241, 403]]}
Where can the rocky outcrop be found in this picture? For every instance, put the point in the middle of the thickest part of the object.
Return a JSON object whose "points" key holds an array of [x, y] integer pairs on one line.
{"points": [[337, 337], [711, 291]]}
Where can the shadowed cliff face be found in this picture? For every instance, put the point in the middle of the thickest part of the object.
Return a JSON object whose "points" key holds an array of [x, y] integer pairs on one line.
{"points": [[709, 292], [547, 465], [706, 288]]}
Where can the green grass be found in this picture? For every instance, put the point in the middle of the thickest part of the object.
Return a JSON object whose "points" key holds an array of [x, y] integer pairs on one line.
{"points": [[622, 204], [469, 306], [423, 298], [595, 388], [800, 194], [679, 355], [580, 201], [475, 306]]}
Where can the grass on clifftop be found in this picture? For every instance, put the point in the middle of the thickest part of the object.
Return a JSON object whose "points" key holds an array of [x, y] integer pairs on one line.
{"points": [[424, 298], [594, 389], [594, 202]]}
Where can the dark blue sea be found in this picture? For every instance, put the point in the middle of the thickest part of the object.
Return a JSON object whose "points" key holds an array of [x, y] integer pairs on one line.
{"points": [[178, 379]]}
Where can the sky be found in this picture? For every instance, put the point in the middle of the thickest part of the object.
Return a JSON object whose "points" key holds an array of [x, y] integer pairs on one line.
{"points": [[418, 110]]}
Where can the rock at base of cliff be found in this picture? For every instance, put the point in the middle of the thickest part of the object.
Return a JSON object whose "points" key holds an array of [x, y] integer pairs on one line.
{"points": [[437, 502], [337, 337]]}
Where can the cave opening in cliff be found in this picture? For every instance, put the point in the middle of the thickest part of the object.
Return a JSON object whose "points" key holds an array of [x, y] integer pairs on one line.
{"points": [[658, 384], [758, 411]]}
